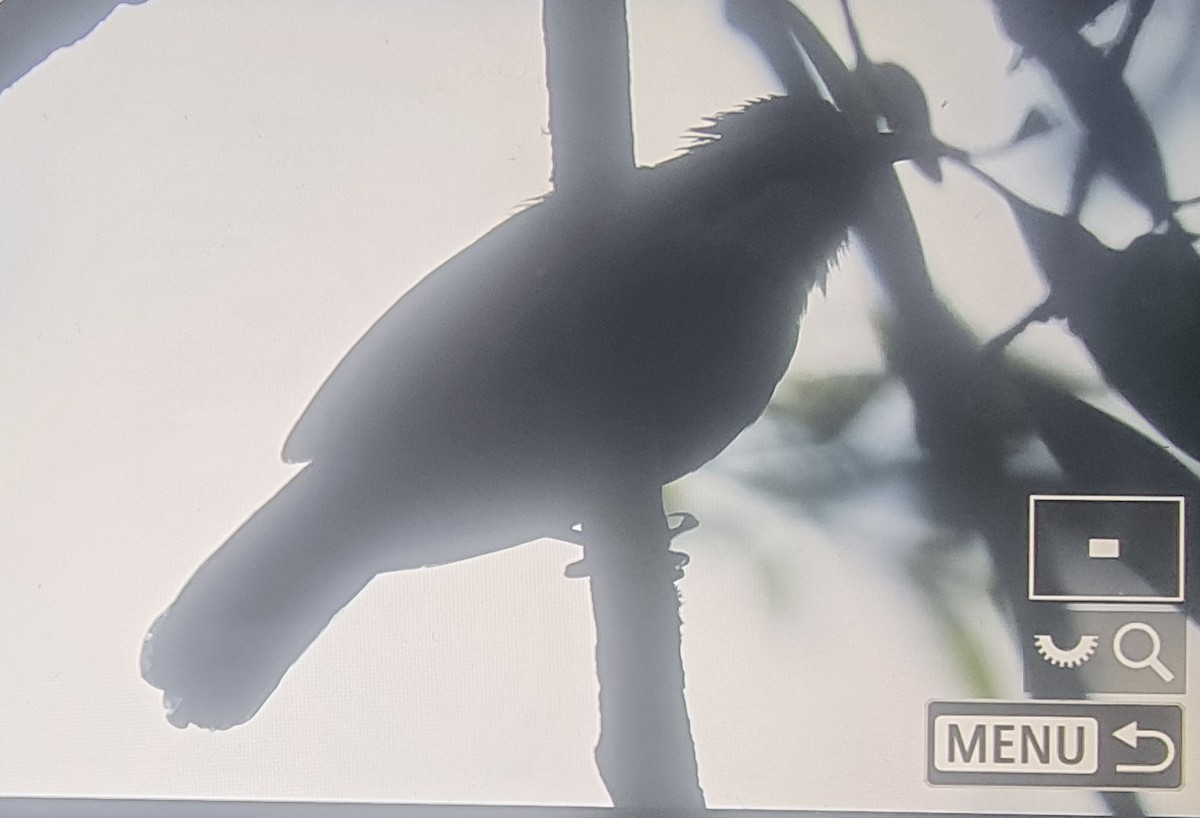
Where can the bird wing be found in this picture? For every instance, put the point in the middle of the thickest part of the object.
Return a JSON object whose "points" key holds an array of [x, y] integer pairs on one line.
{"points": [[426, 342], [674, 315]]}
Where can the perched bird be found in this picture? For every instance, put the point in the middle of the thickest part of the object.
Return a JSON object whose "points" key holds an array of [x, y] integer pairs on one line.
{"points": [[481, 410]]}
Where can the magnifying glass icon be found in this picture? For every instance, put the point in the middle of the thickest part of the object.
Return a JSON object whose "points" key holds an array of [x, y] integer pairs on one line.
{"points": [[1151, 659]]}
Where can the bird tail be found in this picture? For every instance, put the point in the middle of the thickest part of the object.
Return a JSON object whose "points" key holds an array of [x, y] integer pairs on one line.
{"points": [[259, 601]]}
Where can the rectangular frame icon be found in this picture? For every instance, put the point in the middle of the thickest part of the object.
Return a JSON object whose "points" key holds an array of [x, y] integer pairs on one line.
{"points": [[1180, 547]]}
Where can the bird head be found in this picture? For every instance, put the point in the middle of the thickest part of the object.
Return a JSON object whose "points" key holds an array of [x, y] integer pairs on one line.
{"points": [[799, 155]]}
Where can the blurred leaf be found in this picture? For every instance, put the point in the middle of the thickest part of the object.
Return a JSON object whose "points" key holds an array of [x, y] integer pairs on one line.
{"points": [[1102, 455], [1030, 19], [1138, 318], [762, 23], [775, 579], [1135, 310], [1119, 136], [1118, 52], [935, 573], [776, 27], [1035, 124]]}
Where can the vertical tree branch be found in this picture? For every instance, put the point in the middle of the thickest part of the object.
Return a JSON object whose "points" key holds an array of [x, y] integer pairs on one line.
{"points": [[587, 74], [645, 753]]}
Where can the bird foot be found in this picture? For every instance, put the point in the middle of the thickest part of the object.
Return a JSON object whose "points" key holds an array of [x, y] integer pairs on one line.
{"points": [[681, 560], [583, 567], [686, 523]]}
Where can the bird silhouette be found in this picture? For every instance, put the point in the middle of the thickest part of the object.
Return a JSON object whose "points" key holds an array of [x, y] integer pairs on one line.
{"points": [[478, 412]]}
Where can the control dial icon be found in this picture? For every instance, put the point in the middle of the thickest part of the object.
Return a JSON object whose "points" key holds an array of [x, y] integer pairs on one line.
{"points": [[1071, 657]]}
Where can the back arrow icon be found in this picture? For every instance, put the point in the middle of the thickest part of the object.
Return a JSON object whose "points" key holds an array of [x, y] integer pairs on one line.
{"points": [[1129, 734]]}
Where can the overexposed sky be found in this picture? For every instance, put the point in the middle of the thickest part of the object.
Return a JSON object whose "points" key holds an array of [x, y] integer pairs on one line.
{"points": [[204, 204]]}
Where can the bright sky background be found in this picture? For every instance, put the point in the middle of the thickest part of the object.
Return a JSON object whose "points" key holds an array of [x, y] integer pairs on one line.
{"points": [[204, 204]]}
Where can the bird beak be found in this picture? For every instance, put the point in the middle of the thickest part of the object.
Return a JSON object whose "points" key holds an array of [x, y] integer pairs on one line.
{"points": [[925, 153]]}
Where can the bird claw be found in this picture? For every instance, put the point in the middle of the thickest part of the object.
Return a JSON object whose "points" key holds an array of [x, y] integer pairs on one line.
{"points": [[582, 567], [686, 523], [681, 560]]}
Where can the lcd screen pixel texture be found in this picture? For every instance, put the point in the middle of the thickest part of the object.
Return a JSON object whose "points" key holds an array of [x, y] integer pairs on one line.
{"points": [[205, 204]]}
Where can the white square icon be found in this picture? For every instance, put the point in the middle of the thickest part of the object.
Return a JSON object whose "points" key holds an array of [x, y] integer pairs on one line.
{"points": [[1104, 548]]}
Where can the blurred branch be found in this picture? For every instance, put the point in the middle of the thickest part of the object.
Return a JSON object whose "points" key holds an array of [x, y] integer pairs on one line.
{"points": [[967, 409], [1102, 455], [1118, 134], [760, 22], [1134, 309]]}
